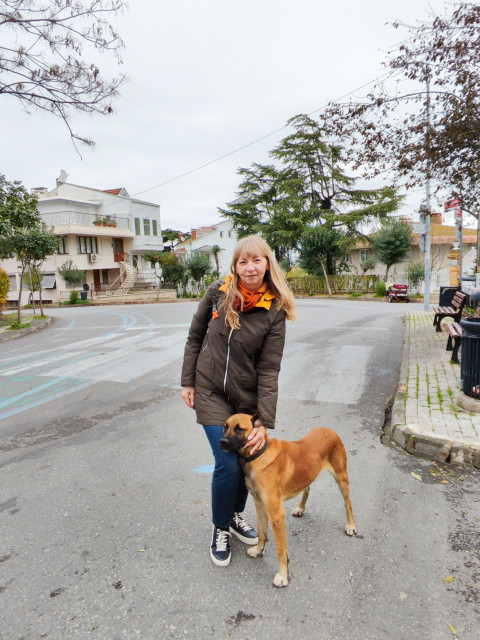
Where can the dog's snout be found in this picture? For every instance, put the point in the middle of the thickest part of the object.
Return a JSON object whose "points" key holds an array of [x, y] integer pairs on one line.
{"points": [[223, 443]]}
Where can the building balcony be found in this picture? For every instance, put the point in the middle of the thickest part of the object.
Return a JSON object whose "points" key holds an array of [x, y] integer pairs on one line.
{"points": [[87, 224]]}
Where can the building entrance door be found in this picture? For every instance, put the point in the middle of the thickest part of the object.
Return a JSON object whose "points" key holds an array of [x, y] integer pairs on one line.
{"points": [[96, 280], [118, 250]]}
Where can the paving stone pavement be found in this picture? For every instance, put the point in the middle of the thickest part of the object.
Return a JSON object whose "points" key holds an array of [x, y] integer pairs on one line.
{"points": [[431, 416]]}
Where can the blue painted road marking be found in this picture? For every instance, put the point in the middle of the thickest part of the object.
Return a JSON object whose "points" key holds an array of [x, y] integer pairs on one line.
{"points": [[204, 468]]}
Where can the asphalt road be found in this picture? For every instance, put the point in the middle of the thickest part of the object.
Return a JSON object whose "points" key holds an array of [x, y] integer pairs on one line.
{"points": [[105, 492]]}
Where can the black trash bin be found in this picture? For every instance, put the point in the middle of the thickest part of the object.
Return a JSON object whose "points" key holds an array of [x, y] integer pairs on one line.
{"points": [[83, 295], [470, 365], [475, 298]]}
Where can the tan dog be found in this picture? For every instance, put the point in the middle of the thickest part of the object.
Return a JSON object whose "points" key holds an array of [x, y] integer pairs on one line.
{"points": [[282, 470]]}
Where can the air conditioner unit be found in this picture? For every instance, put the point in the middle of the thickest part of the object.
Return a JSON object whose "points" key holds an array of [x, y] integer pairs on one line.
{"points": [[92, 257]]}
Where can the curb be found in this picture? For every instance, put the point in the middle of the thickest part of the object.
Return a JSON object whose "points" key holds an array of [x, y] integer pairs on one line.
{"points": [[12, 334], [409, 437]]}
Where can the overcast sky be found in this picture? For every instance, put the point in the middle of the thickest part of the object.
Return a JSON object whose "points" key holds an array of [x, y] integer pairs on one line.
{"points": [[206, 78]]}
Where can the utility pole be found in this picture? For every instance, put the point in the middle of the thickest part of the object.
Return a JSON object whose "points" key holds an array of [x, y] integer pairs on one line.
{"points": [[459, 236], [428, 209], [477, 273]]}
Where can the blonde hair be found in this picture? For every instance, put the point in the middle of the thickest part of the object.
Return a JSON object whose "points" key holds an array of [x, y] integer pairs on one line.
{"points": [[252, 246]]}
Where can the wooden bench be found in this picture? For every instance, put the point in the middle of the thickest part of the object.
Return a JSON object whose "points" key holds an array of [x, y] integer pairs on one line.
{"points": [[454, 339], [453, 311]]}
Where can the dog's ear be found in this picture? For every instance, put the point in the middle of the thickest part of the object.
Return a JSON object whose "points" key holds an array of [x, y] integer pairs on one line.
{"points": [[257, 420]]}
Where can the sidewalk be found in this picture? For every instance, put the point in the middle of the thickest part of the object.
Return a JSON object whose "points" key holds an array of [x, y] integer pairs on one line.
{"points": [[431, 415]]}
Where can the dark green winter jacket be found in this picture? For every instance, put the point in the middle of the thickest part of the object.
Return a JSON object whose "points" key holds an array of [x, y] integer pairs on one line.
{"points": [[234, 370]]}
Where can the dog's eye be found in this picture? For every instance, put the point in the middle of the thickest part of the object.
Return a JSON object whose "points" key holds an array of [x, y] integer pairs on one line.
{"points": [[238, 428]]}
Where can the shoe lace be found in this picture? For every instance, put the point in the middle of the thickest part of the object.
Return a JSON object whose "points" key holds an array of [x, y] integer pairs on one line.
{"points": [[222, 540], [241, 523]]}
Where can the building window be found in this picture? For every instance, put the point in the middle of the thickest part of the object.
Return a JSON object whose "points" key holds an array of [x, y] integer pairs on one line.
{"points": [[13, 282], [86, 244], [63, 246], [146, 227], [49, 281], [364, 254], [221, 234], [154, 228], [137, 226]]}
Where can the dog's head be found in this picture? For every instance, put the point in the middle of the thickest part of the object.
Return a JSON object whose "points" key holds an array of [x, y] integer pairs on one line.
{"points": [[236, 431]]}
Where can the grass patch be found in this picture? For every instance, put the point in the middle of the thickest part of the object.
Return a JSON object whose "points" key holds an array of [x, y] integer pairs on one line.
{"points": [[78, 303], [19, 325], [454, 409], [440, 399], [10, 321]]}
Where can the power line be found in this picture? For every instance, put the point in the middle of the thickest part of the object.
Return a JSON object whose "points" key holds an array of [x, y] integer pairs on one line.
{"points": [[249, 144]]}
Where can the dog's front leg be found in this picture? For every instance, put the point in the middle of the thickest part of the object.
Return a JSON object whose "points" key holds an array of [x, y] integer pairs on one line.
{"points": [[277, 520], [262, 528]]}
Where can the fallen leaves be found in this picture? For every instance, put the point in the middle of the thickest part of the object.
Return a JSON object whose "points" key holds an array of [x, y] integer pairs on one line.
{"points": [[416, 476], [452, 629]]}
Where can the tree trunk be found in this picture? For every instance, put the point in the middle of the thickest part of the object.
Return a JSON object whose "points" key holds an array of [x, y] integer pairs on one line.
{"points": [[159, 281], [326, 278], [40, 301], [20, 291], [386, 272], [331, 265]]}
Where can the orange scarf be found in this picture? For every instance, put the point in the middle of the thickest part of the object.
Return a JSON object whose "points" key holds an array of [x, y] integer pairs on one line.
{"points": [[263, 300], [250, 298]]}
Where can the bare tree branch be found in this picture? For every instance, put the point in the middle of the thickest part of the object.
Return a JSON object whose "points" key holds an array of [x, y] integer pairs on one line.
{"points": [[389, 126], [47, 52]]}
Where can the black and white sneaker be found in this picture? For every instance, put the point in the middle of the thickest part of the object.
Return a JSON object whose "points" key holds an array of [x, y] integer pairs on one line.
{"points": [[243, 530], [220, 548]]}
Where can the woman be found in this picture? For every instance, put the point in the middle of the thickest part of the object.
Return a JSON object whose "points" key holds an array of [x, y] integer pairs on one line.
{"points": [[231, 365]]}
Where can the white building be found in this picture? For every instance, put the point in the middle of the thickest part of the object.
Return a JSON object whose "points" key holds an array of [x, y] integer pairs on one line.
{"points": [[104, 233], [204, 239]]}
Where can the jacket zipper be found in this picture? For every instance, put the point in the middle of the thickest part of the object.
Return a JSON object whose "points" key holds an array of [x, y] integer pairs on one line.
{"points": [[228, 361]]}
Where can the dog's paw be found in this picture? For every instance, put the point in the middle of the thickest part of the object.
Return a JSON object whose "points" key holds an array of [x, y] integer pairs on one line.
{"points": [[280, 581], [298, 512], [350, 530], [255, 552]]}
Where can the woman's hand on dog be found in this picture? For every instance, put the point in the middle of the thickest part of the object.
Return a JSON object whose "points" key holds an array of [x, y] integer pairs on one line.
{"points": [[256, 439], [188, 395]]}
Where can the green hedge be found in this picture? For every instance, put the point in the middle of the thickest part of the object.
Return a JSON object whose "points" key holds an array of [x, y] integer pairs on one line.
{"points": [[311, 285]]}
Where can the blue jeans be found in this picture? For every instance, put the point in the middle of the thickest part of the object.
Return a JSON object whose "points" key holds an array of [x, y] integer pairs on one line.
{"points": [[229, 493]]}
